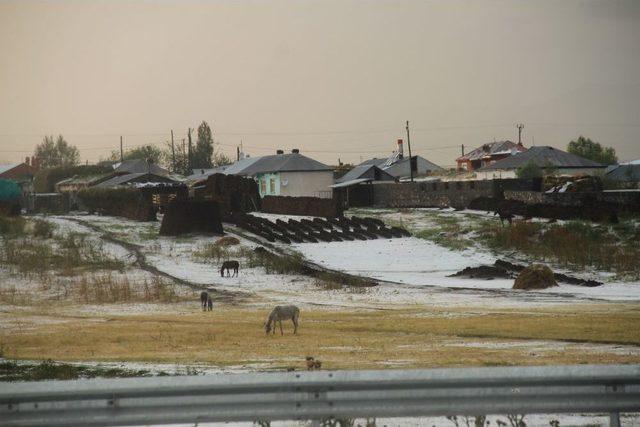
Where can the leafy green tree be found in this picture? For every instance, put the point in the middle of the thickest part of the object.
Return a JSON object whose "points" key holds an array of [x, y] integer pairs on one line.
{"points": [[202, 155], [585, 147], [52, 153], [529, 170]]}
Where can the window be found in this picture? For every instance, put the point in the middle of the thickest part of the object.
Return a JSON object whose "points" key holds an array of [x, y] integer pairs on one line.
{"points": [[263, 185], [272, 186]]}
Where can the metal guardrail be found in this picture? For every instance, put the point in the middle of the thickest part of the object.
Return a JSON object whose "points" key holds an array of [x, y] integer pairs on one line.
{"points": [[323, 394]]}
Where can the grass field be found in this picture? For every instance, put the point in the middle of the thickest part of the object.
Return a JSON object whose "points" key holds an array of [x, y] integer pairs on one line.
{"points": [[340, 339]]}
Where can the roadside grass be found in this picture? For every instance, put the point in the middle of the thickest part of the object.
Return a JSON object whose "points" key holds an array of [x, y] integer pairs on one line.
{"points": [[50, 370], [340, 339]]}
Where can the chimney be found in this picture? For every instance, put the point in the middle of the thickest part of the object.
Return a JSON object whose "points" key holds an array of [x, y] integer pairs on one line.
{"points": [[295, 151], [279, 151], [400, 151]]}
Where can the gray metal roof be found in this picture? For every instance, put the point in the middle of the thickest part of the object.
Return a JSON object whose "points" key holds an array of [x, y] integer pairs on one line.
{"points": [[493, 148], [124, 179], [625, 172], [139, 166], [293, 162], [371, 172], [543, 156]]}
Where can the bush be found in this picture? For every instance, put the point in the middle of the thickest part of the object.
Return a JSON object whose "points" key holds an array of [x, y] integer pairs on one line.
{"points": [[529, 171]]}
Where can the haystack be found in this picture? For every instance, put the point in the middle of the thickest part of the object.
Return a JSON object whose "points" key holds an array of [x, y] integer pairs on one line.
{"points": [[536, 276]]}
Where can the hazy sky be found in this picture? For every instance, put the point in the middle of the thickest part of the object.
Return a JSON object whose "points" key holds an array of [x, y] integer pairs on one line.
{"points": [[336, 79]]}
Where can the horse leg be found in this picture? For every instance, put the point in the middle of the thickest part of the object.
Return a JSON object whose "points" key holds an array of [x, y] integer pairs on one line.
{"points": [[295, 325], [281, 331]]}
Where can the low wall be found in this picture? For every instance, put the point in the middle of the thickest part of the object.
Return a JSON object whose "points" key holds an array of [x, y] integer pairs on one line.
{"points": [[600, 205], [309, 206], [126, 202], [457, 194]]}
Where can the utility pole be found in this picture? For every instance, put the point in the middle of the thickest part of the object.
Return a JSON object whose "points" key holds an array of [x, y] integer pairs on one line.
{"points": [[189, 154], [173, 153], [520, 127], [463, 149], [121, 152], [410, 158]]}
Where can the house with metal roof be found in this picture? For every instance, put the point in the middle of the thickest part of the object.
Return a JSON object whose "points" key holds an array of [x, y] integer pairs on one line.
{"points": [[290, 174], [138, 166], [545, 157], [624, 172], [399, 166], [363, 174], [137, 179], [487, 154]]}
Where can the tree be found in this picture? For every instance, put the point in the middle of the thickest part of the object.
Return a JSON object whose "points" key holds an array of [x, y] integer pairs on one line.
{"points": [[59, 153], [529, 170], [585, 147], [146, 152], [220, 159], [202, 155]]}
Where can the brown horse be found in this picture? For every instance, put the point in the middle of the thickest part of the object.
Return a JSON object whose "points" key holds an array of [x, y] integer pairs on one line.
{"points": [[227, 265], [204, 296]]}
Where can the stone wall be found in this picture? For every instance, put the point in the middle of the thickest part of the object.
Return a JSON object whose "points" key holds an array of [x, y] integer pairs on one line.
{"points": [[309, 206], [456, 194]]}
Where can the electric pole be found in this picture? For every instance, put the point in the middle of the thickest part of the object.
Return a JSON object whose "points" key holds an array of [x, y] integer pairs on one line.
{"points": [[189, 154], [520, 127], [410, 158], [463, 149], [173, 153], [121, 152]]}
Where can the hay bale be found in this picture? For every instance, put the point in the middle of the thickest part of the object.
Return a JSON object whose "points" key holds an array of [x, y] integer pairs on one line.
{"points": [[536, 276], [227, 241]]}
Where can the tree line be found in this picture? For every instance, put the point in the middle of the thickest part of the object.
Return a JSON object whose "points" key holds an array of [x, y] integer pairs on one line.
{"points": [[204, 154]]}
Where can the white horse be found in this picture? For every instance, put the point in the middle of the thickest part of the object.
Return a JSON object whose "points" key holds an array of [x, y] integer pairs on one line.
{"points": [[280, 313]]}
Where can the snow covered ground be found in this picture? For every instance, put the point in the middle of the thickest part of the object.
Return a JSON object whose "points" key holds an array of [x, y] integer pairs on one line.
{"points": [[419, 262]]}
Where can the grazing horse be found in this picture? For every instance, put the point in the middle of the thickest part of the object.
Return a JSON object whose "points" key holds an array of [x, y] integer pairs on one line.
{"points": [[280, 313], [227, 265], [204, 297], [504, 214]]}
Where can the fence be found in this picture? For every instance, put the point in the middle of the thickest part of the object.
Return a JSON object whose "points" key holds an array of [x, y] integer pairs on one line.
{"points": [[323, 394]]}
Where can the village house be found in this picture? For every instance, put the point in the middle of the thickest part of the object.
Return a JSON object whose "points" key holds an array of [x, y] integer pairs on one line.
{"points": [[281, 174], [21, 174], [399, 166], [488, 154], [545, 157]]}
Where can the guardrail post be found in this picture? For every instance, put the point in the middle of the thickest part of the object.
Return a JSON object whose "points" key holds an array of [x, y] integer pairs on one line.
{"points": [[614, 419]]}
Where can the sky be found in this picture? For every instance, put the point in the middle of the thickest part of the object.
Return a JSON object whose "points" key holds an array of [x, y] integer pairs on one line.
{"points": [[335, 79]]}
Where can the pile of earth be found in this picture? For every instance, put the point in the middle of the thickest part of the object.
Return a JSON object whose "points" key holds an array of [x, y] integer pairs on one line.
{"points": [[506, 270], [536, 276]]}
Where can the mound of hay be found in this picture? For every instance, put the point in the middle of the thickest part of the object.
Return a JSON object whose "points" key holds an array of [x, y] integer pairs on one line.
{"points": [[536, 276], [227, 241]]}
